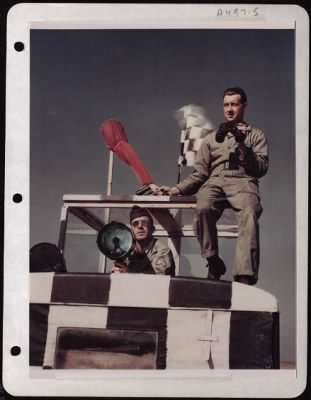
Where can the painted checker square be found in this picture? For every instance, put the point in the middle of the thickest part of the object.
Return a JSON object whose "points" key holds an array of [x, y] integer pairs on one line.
{"points": [[133, 321], [209, 340], [85, 288], [192, 292], [38, 315], [260, 348]]}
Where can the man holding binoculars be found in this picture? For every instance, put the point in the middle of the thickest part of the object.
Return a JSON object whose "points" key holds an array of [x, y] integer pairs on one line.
{"points": [[227, 167]]}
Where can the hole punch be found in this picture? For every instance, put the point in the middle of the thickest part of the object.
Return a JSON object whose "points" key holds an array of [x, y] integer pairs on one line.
{"points": [[17, 198], [19, 46], [15, 350]]}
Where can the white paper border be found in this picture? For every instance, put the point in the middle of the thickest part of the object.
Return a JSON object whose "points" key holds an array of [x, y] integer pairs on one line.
{"points": [[18, 378]]}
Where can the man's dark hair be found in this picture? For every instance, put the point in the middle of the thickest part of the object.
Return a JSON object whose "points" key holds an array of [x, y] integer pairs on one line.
{"points": [[236, 90]]}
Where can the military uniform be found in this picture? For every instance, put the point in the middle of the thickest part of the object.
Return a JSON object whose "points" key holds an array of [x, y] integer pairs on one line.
{"points": [[219, 178], [156, 259]]}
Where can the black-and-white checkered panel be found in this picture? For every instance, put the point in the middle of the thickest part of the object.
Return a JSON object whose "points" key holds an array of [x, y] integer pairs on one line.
{"points": [[197, 323], [195, 126]]}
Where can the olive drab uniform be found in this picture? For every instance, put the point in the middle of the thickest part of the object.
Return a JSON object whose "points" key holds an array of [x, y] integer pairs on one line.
{"points": [[218, 181], [156, 259]]}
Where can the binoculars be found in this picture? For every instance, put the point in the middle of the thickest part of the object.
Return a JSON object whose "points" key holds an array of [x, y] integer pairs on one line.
{"points": [[226, 127]]}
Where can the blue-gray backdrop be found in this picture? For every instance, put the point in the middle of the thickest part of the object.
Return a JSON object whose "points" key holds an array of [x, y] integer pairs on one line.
{"points": [[79, 78]]}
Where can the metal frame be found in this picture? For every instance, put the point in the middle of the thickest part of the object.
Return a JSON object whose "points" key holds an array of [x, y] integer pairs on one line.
{"points": [[78, 205]]}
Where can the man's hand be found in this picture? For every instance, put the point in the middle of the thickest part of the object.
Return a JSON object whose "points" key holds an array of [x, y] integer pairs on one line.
{"points": [[162, 190], [243, 127], [119, 267]]}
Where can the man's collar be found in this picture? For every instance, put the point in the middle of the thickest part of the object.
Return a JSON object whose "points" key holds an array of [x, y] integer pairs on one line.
{"points": [[149, 245]]}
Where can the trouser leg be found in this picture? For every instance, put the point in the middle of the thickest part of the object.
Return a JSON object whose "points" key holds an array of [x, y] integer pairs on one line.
{"points": [[207, 213], [248, 209]]}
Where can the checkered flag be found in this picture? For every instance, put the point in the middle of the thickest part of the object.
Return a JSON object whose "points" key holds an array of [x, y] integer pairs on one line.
{"points": [[194, 126]]}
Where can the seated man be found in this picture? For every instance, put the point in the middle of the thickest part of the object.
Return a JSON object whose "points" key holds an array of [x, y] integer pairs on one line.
{"points": [[150, 256], [227, 168]]}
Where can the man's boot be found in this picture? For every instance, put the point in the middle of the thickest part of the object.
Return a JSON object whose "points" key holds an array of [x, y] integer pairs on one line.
{"points": [[216, 268], [246, 279]]}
